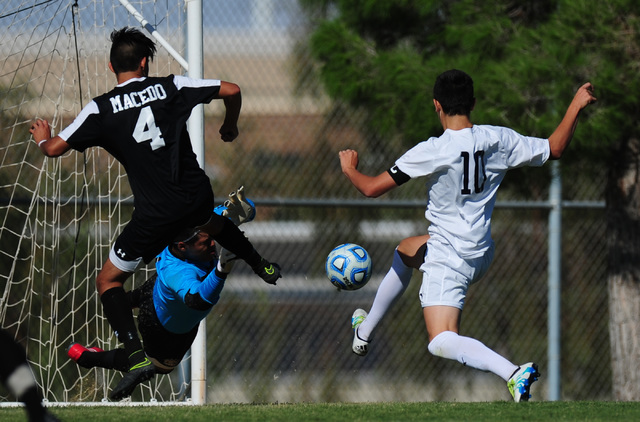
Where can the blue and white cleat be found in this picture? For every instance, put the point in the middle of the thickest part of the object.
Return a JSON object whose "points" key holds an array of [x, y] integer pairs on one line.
{"points": [[520, 382], [360, 347]]}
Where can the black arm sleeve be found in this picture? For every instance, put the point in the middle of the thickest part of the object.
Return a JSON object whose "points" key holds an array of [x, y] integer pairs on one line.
{"points": [[195, 301]]}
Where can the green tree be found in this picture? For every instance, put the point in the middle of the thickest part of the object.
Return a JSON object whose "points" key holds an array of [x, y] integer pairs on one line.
{"points": [[527, 59]]}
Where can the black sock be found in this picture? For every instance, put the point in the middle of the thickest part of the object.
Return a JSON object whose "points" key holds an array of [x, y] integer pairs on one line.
{"points": [[231, 238], [13, 355], [33, 404], [116, 307], [109, 359]]}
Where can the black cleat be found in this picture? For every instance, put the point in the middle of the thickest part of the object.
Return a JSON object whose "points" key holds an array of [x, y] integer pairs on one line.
{"points": [[141, 372]]}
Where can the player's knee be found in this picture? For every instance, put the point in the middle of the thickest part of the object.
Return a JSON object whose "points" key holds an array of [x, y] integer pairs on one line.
{"points": [[164, 366], [412, 251], [438, 345]]}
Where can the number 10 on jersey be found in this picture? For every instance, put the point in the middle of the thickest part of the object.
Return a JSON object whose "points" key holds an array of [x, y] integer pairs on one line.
{"points": [[479, 175]]}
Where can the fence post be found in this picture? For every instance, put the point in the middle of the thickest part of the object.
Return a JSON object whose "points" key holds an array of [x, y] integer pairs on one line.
{"points": [[554, 281]]}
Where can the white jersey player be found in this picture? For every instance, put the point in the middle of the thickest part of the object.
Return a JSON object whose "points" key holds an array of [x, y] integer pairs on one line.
{"points": [[463, 169]]}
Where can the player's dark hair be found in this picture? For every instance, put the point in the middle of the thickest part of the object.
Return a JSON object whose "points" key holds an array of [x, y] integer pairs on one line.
{"points": [[454, 91], [128, 47], [188, 235]]}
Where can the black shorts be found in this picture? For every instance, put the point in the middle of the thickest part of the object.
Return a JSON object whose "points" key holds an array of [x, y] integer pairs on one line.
{"points": [[145, 237], [164, 346]]}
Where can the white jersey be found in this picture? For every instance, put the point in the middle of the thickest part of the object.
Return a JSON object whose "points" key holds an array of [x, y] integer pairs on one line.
{"points": [[464, 169]]}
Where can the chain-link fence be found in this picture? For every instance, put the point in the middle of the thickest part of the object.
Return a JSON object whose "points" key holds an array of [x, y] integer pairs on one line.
{"points": [[292, 342]]}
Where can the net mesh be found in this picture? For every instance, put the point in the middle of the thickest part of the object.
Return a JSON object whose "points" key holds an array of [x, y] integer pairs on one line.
{"points": [[61, 215]]}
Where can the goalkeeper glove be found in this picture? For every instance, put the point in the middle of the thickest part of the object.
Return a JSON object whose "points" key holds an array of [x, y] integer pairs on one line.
{"points": [[226, 260], [237, 208]]}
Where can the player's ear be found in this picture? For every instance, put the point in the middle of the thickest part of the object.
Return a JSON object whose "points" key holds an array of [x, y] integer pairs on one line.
{"points": [[144, 66], [437, 105], [111, 68]]}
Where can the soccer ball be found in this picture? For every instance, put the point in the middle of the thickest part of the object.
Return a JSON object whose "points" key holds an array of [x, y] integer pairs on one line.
{"points": [[348, 266]]}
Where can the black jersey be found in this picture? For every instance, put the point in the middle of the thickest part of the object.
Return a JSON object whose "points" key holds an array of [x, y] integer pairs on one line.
{"points": [[142, 123]]}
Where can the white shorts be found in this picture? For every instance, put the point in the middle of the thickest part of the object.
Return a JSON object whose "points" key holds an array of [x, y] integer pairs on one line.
{"points": [[121, 264], [447, 276]]}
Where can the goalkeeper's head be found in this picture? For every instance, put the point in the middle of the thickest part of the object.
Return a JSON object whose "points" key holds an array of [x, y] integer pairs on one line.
{"points": [[129, 47], [194, 245]]}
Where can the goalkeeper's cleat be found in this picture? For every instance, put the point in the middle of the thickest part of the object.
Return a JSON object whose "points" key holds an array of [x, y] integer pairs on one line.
{"points": [[360, 347], [269, 272], [520, 382], [76, 350], [139, 373]]}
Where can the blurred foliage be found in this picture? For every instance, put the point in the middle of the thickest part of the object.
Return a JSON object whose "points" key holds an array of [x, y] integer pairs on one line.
{"points": [[527, 59]]}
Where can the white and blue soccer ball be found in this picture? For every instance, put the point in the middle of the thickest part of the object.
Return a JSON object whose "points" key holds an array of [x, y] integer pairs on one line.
{"points": [[348, 266]]}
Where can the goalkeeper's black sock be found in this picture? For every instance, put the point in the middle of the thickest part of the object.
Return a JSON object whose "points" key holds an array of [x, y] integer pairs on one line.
{"points": [[231, 238], [117, 309], [109, 359]]}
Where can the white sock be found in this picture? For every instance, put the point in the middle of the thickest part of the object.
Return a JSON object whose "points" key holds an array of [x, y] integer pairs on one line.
{"points": [[391, 288], [471, 352]]}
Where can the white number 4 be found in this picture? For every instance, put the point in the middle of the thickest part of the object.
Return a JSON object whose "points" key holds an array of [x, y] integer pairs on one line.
{"points": [[146, 129]]}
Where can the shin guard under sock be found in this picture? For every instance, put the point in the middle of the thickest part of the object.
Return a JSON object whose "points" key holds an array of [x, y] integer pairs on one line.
{"points": [[116, 308]]}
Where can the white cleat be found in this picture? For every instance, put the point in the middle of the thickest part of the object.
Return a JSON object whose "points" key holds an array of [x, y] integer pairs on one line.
{"points": [[520, 382], [360, 347]]}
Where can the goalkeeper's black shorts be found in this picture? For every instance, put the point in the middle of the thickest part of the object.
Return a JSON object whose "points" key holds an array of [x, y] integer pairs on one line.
{"points": [[164, 348]]}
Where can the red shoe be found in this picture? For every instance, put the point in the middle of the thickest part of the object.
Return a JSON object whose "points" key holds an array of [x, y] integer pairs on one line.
{"points": [[76, 350]]}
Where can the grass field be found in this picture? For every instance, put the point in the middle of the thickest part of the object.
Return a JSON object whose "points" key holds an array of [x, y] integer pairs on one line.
{"points": [[436, 411]]}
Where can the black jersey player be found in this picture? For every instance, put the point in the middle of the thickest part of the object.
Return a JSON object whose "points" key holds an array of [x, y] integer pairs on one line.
{"points": [[142, 123]]}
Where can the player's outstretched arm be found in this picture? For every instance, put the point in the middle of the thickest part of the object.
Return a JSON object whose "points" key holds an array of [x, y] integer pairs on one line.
{"points": [[561, 137], [232, 97], [369, 186], [50, 146]]}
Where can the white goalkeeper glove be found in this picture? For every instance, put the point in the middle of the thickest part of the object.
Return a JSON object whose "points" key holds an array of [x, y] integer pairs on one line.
{"points": [[238, 208], [226, 261]]}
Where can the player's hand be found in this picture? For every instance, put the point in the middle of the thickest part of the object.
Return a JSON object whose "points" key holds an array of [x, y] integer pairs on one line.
{"points": [[40, 130], [584, 96], [226, 261], [348, 159], [238, 208], [228, 132]]}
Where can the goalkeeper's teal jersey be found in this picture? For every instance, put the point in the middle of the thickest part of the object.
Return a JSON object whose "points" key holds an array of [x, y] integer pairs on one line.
{"points": [[176, 278]]}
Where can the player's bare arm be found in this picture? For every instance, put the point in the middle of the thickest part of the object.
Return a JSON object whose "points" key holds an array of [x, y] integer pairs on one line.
{"points": [[561, 137], [50, 146], [232, 98], [369, 186]]}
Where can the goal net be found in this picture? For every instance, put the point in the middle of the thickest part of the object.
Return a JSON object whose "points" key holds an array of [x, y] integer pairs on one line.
{"points": [[61, 215]]}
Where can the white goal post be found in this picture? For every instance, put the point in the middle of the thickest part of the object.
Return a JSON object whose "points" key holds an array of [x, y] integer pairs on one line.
{"points": [[60, 216]]}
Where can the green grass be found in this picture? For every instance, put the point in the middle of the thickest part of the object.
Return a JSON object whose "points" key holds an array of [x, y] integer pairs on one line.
{"points": [[436, 411]]}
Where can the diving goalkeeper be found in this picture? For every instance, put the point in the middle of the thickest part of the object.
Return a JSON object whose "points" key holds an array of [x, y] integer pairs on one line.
{"points": [[190, 276]]}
